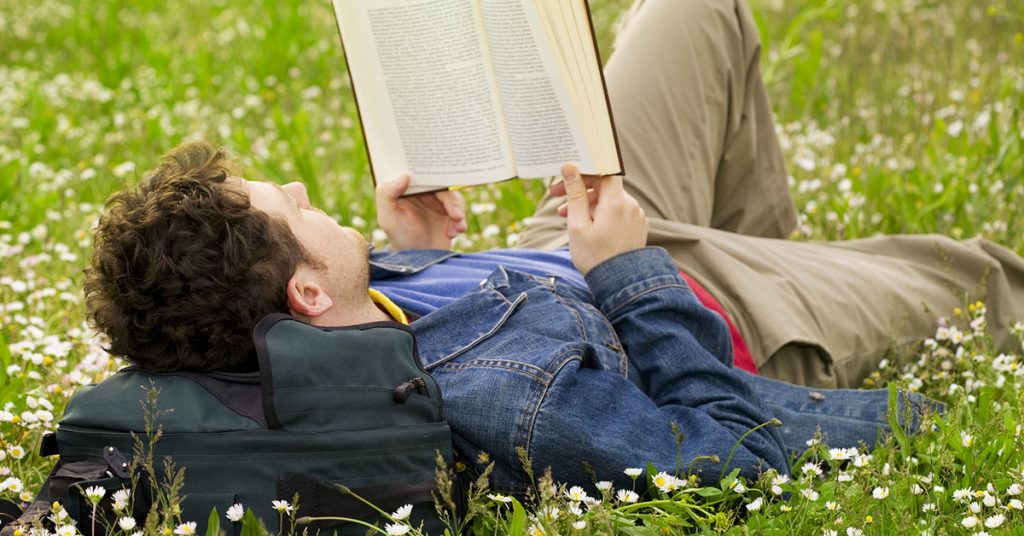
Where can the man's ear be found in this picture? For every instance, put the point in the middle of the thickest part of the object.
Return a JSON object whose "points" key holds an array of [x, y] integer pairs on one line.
{"points": [[306, 297]]}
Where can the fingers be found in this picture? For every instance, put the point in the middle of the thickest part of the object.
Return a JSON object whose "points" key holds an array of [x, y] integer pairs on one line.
{"points": [[614, 183], [592, 196], [611, 186], [393, 189], [577, 199], [455, 208], [557, 188]]}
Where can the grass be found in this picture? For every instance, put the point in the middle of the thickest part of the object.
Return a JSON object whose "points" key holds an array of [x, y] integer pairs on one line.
{"points": [[895, 116]]}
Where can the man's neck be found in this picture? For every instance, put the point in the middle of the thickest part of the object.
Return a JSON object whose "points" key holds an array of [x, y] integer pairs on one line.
{"points": [[365, 312]]}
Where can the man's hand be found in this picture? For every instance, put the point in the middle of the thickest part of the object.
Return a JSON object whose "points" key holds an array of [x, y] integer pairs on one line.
{"points": [[424, 221], [604, 220]]}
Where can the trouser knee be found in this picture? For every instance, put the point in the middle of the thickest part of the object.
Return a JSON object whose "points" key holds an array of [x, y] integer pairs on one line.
{"points": [[720, 24]]}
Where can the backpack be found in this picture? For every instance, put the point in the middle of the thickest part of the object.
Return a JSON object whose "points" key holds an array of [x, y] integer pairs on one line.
{"points": [[328, 406]]}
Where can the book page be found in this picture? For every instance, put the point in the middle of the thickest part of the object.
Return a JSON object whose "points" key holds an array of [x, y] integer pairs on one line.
{"points": [[542, 123], [567, 23], [426, 91]]}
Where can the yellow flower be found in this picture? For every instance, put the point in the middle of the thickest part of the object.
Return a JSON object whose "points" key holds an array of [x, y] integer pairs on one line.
{"points": [[957, 311], [868, 519]]}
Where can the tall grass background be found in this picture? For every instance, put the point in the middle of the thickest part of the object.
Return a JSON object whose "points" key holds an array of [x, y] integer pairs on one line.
{"points": [[895, 116]]}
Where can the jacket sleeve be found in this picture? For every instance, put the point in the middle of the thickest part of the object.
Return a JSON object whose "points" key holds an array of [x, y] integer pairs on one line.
{"points": [[679, 349]]}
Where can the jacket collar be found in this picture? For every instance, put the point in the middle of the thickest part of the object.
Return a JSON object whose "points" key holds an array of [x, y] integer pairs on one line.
{"points": [[445, 334], [385, 264]]}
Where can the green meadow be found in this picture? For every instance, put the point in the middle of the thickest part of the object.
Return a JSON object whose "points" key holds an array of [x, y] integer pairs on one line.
{"points": [[895, 116]]}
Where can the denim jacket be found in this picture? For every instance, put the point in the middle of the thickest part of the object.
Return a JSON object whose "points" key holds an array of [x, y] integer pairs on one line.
{"points": [[597, 379]]}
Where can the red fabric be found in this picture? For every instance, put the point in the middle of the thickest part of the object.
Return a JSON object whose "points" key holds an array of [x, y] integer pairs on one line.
{"points": [[741, 357]]}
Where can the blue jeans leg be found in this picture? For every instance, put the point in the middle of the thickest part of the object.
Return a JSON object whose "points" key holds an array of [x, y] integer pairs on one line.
{"points": [[846, 417]]}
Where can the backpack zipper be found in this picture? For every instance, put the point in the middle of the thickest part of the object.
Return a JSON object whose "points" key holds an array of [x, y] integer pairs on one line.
{"points": [[401, 392]]}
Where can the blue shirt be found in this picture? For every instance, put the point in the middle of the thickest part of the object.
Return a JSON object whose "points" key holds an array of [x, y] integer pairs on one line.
{"points": [[442, 283]]}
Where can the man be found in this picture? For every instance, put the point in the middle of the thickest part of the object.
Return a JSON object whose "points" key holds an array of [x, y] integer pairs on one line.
{"points": [[582, 355]]}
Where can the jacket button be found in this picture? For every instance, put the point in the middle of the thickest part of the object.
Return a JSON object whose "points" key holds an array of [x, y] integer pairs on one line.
{"points": [[816, 395]]}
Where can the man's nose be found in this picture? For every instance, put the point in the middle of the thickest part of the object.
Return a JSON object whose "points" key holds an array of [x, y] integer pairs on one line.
{"points": [[298, 191]]}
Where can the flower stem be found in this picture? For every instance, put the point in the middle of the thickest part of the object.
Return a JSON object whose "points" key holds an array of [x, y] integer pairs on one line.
{"points": [[345, 489], [307, 520], [774, 422]]}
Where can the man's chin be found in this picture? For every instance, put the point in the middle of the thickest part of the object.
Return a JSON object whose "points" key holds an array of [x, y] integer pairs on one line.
{"points": [[359, 245], [356, 237]]}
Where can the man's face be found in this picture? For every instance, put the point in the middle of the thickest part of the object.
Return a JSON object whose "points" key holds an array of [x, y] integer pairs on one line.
{"points": [[340, 251]]}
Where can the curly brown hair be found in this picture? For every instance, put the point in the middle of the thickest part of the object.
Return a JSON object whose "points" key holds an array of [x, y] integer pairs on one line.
{"points": [[183, 268]]}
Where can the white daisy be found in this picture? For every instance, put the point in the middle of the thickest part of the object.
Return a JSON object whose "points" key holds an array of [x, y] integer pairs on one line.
{"points": [[663, 481], [995, 521], [235, 512], [576, 494], [627, 496], [809, 494], [811, 469], [962, 494], [402, 512], [95, 493], [120, 499], [126, 523]]}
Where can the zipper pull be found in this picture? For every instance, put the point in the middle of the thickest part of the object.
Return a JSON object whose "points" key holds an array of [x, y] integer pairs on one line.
{"points": [[401, 392]]}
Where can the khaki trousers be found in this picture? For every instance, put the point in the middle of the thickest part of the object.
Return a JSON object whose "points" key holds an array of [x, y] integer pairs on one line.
{"points": [[701, 156]]}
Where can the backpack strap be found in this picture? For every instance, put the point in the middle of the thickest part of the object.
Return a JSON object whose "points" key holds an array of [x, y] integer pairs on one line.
{"points": [[66, 484], [9, 511], [37, 510]]}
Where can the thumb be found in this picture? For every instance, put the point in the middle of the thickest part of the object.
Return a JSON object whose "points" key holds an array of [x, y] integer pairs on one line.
{"points": [[392, 189], [577, 201]]}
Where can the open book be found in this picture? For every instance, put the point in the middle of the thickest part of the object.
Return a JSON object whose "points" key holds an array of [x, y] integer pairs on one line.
{"points": [[462, 92]]}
